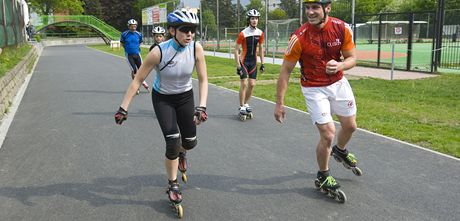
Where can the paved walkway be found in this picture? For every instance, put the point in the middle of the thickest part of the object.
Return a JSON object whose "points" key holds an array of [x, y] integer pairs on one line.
{"points": [[64, 158], [356, 71]]}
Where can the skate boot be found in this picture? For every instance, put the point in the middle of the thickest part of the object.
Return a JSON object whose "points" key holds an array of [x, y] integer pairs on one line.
{"points": [[243, 114], [348, 160], [248, 111], [146, 86], [175, 197], [183, 165], [328, 185]]}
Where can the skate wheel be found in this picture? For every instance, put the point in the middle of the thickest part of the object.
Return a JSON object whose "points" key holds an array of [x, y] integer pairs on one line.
{"points": [[346, 165], [137, 92], [180, 211], [341, 197], [357, 171], [336, 158], [242, 117], [317, 184], [250, 116], [184, 177]]}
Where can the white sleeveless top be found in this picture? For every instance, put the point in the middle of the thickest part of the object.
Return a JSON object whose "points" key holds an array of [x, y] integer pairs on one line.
{"points": [[174, 73]]}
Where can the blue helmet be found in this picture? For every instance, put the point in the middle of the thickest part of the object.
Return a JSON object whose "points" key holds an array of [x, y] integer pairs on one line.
{"points": [[178, 18]]}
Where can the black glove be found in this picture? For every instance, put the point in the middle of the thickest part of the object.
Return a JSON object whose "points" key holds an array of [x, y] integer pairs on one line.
{"points": [[239, 71], [200, 115], [121, 115], [262, 68]]}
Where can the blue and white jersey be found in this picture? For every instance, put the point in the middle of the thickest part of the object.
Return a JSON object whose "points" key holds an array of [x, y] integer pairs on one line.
{"points": [[174, 73], [132, 41]]}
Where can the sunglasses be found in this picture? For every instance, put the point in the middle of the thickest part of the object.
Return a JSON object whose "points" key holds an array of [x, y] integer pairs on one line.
{"points": [[187, 29]]}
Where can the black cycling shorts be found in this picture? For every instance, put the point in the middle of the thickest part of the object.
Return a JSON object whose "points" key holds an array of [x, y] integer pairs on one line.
{"points": [[175, 113], [135, 61]]}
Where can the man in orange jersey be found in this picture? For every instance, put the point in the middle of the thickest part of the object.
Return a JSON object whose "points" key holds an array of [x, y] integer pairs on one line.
{"points": [[246, 63], [319, 45]]}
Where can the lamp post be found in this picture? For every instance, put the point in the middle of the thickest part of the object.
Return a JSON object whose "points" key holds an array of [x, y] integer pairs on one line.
{"points": [[266, 26], [218, 38]]}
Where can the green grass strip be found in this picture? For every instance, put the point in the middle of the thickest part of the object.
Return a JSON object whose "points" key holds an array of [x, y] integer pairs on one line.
{"points": [[11, 56], [424, 112]]}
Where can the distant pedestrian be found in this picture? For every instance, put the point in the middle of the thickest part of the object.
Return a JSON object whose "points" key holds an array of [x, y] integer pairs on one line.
{"points": [[131, 41], [250, 39], [158, 36]]}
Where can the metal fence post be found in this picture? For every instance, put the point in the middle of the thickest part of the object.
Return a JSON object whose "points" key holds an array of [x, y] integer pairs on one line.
{"points": [[392, 60]]}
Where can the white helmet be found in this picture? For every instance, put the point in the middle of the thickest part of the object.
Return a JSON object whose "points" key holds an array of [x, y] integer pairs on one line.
{"points": [[253, 13], [158, 30], [177, 18], [132, 22]]}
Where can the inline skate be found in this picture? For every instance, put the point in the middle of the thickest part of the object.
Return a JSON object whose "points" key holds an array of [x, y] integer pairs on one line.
{"points": [[328, 185], [348, 160], [175, 198], [183, 165], [245, 112]]}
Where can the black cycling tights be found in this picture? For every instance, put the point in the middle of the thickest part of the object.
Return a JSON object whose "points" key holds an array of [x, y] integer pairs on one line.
{"points": [[175, 115]]}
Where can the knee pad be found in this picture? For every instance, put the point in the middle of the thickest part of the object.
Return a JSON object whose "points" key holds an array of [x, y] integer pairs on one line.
{"points": [[189, 143], [172, 146]]}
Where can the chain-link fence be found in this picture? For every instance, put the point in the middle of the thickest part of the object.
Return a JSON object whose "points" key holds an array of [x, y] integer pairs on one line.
{"points": [[406, 41], [11, 23]]}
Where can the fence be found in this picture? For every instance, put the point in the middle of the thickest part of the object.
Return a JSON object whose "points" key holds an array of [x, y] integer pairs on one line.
{"points": [[450, 53], [414, 36], [11, 23], [410, 35]]}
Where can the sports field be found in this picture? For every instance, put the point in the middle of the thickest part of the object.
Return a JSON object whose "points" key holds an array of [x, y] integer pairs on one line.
{"points": [[368, 54]]}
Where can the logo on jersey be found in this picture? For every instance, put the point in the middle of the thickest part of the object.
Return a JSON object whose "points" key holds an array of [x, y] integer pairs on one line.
{"points": [[335, 43], [170, 63]]}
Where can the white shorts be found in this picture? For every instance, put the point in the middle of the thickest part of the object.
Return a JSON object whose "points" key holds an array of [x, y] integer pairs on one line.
{"points": [[336, 98]]}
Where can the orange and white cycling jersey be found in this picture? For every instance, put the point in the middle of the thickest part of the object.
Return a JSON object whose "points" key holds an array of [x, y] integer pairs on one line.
{"points": [[249, 38], [314, 47]]}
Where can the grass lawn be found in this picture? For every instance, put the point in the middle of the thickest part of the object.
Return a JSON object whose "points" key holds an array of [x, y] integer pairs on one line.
{"points": [[423, 112], [11, 56]]}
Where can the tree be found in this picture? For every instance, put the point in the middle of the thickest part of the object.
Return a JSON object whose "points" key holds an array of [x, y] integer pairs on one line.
{"points": [[227, 12], [209, 24], [92, 7], [46, 7], [277, 14], [291, 8], [257, 4], [417, 5], [117, 13], [141, 4]]}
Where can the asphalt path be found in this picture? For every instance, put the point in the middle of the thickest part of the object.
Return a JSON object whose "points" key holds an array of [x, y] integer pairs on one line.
{"points": [[64, 158]]}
